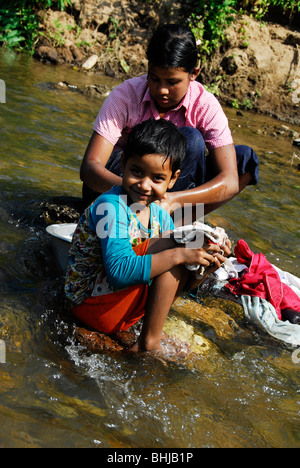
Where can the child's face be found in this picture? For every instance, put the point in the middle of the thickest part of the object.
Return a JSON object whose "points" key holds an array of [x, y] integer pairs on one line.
{"points": [[147, 178], [168, 86]]}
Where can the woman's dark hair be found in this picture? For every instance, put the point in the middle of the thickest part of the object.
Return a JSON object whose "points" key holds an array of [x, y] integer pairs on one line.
{"points": [[157, 137], [173, 46]]}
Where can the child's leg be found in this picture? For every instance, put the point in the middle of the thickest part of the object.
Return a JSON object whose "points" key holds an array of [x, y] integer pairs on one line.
{"points": [[162, 293]]}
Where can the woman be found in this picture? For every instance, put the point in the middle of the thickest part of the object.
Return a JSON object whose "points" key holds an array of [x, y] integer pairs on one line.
{"points": [[170, 91]]}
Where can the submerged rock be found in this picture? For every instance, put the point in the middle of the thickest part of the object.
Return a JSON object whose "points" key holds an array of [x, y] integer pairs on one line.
{"points": [[95, 341], [61, 210], [94, 91]]}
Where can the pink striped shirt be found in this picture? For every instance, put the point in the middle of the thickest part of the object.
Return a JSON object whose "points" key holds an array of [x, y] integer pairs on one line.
{"points": [[131, 103]]}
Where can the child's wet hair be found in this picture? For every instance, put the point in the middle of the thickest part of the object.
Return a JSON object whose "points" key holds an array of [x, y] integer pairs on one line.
{"points": [[173, 46], [157, 137]]}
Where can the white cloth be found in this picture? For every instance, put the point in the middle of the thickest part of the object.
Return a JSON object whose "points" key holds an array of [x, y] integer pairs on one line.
{"points": [[260, 311], [197, 232], [231, 268], [194, 235]]}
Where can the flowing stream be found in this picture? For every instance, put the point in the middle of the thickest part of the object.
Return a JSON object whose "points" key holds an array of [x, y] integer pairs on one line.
{"points": [[53, 393]]}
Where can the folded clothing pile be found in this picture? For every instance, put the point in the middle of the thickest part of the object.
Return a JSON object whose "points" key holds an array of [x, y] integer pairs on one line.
{"points": [[269, 295], [261, 279], [266, 291]]}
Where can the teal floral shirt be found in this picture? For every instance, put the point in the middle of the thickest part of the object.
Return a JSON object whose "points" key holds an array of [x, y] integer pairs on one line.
{"points": [[101, 258]]}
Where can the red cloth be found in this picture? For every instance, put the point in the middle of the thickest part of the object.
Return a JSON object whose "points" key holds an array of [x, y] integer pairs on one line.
{"points": [[262, 280]]}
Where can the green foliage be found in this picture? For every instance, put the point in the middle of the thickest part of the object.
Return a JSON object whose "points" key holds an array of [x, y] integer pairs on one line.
{"points": [[235, 104], [114, 28], [19, 22], [18, 27], [209, 21], [260, 8], [210, 18]]}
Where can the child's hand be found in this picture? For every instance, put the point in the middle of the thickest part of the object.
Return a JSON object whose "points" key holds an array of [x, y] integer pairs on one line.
{"points": [[206, 255], [210, 255], [220, 257], [226, 248]]}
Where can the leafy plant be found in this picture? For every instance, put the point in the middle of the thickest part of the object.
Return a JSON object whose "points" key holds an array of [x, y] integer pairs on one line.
{"points": [[61, 4], [209, 21], [18, 28], [260, 8], [19, 23], [210, 18], [235, 104], [114, 28], [247, 104]]}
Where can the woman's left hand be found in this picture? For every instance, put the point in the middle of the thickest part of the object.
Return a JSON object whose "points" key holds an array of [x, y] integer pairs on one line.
{"points": [[168, 202]]}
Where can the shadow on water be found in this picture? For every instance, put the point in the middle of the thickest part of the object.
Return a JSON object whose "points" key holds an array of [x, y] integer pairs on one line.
{"points": [[240, 390]]}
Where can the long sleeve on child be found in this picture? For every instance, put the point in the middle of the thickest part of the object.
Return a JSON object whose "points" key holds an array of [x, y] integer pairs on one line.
{"points": [[122, 266]]}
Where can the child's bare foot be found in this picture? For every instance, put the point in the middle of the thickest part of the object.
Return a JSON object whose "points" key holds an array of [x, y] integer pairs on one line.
{"points": [[174, 346], [168, 346]]}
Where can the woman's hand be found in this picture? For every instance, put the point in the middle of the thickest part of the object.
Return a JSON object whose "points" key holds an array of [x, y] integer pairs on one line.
{"points": [[169, 203]]}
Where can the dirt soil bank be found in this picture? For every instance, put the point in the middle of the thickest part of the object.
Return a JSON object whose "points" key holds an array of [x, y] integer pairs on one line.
{"points": [[258, 68]]}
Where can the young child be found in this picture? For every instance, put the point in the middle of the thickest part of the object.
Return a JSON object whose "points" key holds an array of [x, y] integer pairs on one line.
{"points": [[124, 263], [172, 92]]}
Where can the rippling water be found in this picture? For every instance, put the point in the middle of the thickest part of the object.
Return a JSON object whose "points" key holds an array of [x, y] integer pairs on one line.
{"points": [[242, 392]]}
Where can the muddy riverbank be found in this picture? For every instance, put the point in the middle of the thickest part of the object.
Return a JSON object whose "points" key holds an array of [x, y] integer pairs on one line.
{"points": [[258, 68]]}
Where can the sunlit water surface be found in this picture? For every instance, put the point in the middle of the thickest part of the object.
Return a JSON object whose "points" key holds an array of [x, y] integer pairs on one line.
{"points": [[53, 393]]}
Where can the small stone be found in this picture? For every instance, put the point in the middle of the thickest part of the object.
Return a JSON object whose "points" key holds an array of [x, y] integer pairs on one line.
{"points": [[284, 128], [45, 53], [90, 62]]}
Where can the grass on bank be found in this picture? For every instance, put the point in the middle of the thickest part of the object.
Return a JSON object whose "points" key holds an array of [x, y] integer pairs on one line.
{"points": [[19, 24]]}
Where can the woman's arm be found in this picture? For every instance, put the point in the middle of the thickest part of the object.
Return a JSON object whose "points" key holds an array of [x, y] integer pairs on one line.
{"points": [[93, 172], [218, 190]]}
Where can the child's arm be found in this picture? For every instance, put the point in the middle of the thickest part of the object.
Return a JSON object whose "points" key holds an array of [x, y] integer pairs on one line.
{"points": [[123, 267], [166, 253]]}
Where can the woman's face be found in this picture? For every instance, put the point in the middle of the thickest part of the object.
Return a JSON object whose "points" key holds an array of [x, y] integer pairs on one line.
{"points": [[168, 86]]}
